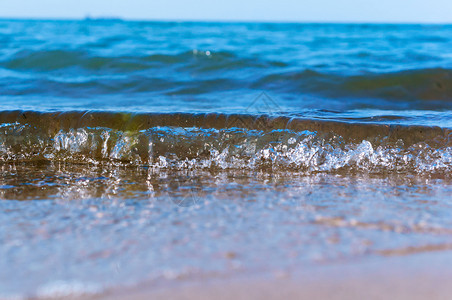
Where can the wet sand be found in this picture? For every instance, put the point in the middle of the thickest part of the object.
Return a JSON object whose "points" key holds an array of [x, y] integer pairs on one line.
{"points": [[124, 233], [417, 276]]}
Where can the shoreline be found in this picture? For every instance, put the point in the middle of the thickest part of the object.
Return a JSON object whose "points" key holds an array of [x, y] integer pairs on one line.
{"points": [[418, 276]]}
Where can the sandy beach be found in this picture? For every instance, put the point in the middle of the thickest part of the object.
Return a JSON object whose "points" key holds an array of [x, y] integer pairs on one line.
{"points": [[417, 276]]}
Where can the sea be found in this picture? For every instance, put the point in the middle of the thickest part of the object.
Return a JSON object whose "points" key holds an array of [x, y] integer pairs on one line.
{"points": [[139, 152]]}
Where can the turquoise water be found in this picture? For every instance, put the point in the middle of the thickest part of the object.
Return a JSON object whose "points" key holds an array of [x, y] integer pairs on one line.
{"points": [[138, 152]]}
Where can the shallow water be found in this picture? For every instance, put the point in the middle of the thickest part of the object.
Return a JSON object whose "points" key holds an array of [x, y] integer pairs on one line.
{"points": [[86, 229], [142, 151]]}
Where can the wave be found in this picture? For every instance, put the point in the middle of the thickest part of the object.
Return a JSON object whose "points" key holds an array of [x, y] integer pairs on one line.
{"points": [[195, 60], [191, 141], [409, 85], [198, 72]]}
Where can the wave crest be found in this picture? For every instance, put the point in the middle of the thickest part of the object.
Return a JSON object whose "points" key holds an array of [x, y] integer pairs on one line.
{"points": [[303, 145]]}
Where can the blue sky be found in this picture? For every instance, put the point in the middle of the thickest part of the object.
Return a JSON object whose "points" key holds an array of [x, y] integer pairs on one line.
{"points": [[436, 11]]}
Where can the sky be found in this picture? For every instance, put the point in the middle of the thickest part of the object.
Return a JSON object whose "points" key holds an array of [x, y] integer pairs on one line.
{"points": [[386, 11]]}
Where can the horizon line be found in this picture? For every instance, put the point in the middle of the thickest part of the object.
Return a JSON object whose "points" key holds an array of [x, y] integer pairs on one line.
{"points": [[182, 20]]}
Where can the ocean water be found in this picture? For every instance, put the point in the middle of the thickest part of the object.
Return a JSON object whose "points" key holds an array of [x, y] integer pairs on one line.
{"points": [[137, 152]]}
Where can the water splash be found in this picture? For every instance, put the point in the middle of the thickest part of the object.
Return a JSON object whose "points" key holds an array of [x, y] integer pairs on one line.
{"points": [[227, 148]]}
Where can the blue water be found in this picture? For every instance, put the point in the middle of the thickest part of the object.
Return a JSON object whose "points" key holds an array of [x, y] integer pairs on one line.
{"points": [[155, 152], [108, 78], [222, 67]]}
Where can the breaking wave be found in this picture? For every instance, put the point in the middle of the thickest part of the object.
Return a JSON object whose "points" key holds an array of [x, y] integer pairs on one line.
{"points": [[218, 141]]}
